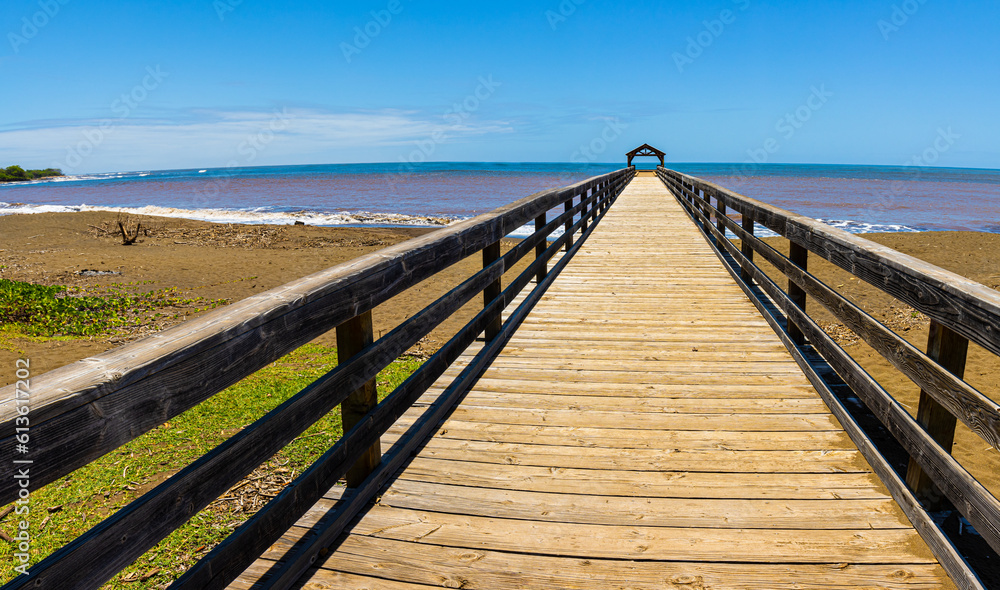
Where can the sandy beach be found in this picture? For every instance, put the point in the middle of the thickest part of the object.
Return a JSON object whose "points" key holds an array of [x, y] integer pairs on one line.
{"points": [[231, 262]]}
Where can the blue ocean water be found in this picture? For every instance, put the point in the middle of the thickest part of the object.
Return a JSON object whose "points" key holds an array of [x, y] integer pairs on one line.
{"points": [[857, 198]]}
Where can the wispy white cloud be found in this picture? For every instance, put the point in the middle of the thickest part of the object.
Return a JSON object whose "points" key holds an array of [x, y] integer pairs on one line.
{"points": [[206, 137]]}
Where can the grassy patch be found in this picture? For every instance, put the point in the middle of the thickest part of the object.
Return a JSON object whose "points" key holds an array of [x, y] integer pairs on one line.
{"points": [[66, 508], [56, 310]]}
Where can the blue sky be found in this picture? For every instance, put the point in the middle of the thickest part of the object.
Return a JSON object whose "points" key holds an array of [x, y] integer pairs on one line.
{"points": [[113, 85]]}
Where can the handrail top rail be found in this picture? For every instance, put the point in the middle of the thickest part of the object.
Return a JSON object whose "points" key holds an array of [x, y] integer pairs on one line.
{"points": [[854, 254], [394, 268]]}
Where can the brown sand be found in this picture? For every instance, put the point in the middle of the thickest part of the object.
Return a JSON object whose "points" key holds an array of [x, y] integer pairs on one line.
{"points": [[233, 262]]}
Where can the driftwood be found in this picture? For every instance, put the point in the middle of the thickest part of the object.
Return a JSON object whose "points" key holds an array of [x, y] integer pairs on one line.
{"points": [[128, 240]]}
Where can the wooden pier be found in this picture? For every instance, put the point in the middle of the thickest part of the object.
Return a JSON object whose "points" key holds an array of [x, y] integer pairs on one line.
{"points": [[641, 407], [644, 427]]}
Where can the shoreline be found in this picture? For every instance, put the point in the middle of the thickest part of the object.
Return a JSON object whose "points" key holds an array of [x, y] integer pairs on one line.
{"points": [[249, 216], [378, 220]]}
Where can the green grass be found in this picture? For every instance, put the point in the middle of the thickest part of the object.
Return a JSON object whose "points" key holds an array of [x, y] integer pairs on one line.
{"points": [[56, 310], [91, 493]]}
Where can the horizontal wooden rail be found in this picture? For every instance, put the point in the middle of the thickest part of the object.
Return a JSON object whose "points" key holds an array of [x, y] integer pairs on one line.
{"points": [[96, 556], [976, 410]]}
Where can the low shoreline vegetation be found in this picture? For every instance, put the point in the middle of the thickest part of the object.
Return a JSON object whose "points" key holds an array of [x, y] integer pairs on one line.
{"points": [[18, 174], [56, 310]]}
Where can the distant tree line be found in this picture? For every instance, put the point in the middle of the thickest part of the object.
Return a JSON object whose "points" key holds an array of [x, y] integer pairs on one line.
{"points": [[18, 174]]}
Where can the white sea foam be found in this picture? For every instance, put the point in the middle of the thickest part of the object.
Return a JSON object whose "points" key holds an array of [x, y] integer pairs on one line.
{"points": [[254, 217], [263, 216], [852, 227]]}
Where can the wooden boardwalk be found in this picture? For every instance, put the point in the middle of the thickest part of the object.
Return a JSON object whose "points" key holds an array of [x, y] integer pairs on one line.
{"points": [[645, 428]]}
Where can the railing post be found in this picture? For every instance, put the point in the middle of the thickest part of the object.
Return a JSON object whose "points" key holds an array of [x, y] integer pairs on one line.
{"points": [[569, 224], [585, 212], [745, 246], [800, 258], [949, 350], [706, 209], [353, 336], [700, 201], [718, 217], [540, 249], [491, 254]]}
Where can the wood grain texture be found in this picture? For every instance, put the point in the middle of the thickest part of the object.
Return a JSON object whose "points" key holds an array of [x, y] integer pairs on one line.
{"points": [[480, 569], [353, 336], [949, 350]]}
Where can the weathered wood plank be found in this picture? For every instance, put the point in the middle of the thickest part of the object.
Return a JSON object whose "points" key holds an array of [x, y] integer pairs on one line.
{"points": [[478, 569], [652, 484], [650, 512], [674, 440], [629, 420], [605, 403], [901, 546], [540, 454]]}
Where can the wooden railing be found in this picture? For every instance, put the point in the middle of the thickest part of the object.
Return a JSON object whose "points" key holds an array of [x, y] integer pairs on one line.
{"points": [[960, 311], [87, 409]]}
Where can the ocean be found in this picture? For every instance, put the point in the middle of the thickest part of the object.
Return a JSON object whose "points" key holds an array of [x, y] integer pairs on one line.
{"points": [[858, 199]]}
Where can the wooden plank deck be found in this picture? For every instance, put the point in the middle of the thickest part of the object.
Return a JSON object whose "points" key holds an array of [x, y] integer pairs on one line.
{"points": [[644, 428]]}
